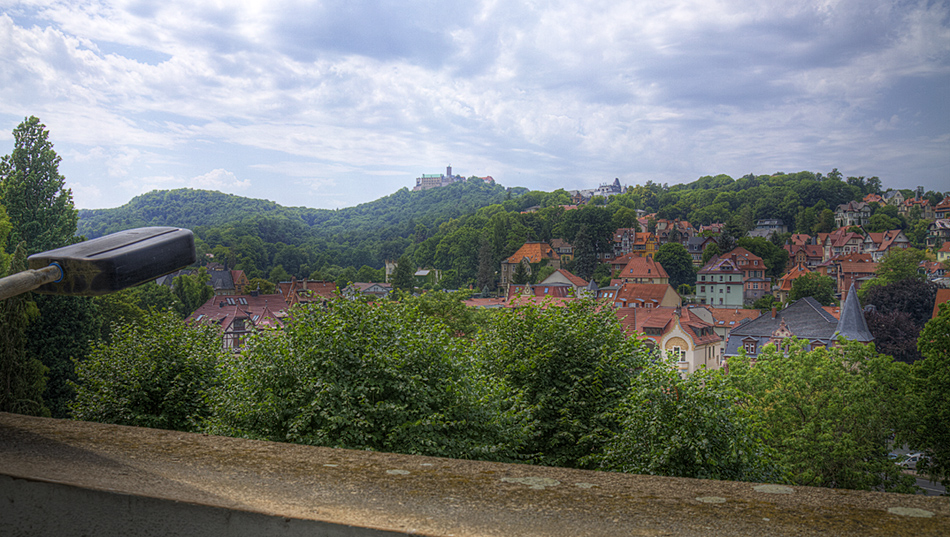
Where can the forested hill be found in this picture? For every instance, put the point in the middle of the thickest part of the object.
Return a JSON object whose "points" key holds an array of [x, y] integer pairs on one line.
{"points": [[191, 209]]}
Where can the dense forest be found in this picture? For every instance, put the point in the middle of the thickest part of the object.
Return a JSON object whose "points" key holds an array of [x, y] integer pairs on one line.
{"points": [[466, 228]]}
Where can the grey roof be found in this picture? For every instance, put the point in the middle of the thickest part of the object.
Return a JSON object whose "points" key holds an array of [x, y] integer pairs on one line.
{"points": [[852, 324], [805, 318], [221, 279]]}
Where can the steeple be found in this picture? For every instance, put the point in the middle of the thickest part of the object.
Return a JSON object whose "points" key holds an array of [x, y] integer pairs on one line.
{"points": [[852, 324]]}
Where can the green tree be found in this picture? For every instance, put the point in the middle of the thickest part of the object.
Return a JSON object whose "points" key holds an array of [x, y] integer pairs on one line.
{"points": [[39, 205], [266, 287], [380, 376], [899, 264], [520, 275], [677, 262], [486, 266], [403, 278], [22, 376], [828, 412], [156, 373], [930, 430], [192, 291], [815, 285], [688, 427], [566, 369], [709, 252], [585, 253], [64, 333]]}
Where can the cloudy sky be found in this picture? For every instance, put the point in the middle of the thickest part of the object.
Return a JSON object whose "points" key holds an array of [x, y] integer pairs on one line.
{"points": [[333, 103]]}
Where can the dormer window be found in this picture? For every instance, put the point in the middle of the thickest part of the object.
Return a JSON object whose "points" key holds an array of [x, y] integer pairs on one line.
{"points": [[749, 347]]}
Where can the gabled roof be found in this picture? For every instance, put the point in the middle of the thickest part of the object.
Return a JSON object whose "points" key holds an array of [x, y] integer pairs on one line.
{"points": [[799, 270], [852, 206], [852, 325], [635, 320], [731, 317], [260, 310], [642, 294], [534, 252], [804, 318], [643, 267], [577, 281]]}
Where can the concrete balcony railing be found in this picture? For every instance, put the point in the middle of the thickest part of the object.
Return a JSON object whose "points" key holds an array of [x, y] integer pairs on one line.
{"points": [[64, 478]]}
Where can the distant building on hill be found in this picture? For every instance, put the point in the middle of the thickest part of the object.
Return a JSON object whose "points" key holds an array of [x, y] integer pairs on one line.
{"points": [[429, 180]]}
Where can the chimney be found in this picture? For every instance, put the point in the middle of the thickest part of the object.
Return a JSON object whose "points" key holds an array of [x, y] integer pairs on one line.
{"points": [[773, 312]]}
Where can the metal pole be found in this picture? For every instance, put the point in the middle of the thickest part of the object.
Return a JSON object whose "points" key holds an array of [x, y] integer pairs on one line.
{"points": [[28, 280]]}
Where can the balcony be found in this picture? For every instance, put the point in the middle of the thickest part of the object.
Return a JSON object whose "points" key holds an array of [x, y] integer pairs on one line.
{"points": [[64, 478]]}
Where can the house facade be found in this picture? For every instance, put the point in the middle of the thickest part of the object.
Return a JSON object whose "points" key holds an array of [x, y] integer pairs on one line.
{"points": [[238, 316], [643, 270], [675, 332], [853, 213]]}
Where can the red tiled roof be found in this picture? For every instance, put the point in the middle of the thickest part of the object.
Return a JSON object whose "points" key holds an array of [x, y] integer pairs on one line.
{"points": [[642, 294], [943, 295], [799, 270], [731, 317], [535, 252], [643, 267], [635, 320], [261, 310]]}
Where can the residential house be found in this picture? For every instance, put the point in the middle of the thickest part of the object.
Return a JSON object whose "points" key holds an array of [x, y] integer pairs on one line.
{"points": [[768, 227], [804, 319], [578, 286], [732, 280], [238, 316], [943, 254], [677, 332], [933, 270], [785, 282], [926, 209], [841, 242], [854, 273], [643, 270], [529, 253], [674, 230], [873, 198], [853, 213], [942, 210], [715, 228], [879, 244], [696, 246], [645, 245], [810, 255], [894, 197], [306, 291], [720, 283], [938, 232], [368, 289], [604, 190], [563, 248], [624, 241], [724, 320]]}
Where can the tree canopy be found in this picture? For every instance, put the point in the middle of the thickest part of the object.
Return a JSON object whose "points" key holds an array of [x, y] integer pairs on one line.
{"points": [[677, 262], [39, 205]]}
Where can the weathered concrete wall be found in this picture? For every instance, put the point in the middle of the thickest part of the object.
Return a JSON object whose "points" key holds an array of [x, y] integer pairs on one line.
{"points": [[63, 478]]}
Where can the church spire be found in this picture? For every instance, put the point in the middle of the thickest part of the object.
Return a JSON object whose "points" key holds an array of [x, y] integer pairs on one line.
{"points": [[852, 324]]}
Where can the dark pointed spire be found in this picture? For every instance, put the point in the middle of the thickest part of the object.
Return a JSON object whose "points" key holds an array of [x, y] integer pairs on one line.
{"points": [[852, 324]]}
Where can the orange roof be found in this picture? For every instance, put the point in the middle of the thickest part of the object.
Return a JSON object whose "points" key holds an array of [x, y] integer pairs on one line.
{"points": [[642, 294], [799, 270], [643, 267], [858, 268], [800, 239], [834, 311], [635, 320], [943, 295], [261, 310], [945, 247], [534, 252]]}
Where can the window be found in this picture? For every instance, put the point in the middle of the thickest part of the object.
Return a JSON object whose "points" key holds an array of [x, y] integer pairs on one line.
{"points": [[679, 353], [720, 277], [728, 289], [702, 288], [749, 347]]}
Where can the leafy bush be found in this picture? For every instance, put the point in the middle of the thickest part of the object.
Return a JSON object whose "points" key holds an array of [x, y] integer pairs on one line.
{"points": [[566, 369], [155, 374], [379, 376]]}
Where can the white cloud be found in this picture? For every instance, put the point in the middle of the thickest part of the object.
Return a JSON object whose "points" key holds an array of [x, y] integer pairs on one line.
{"points": [[219, 179]]}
